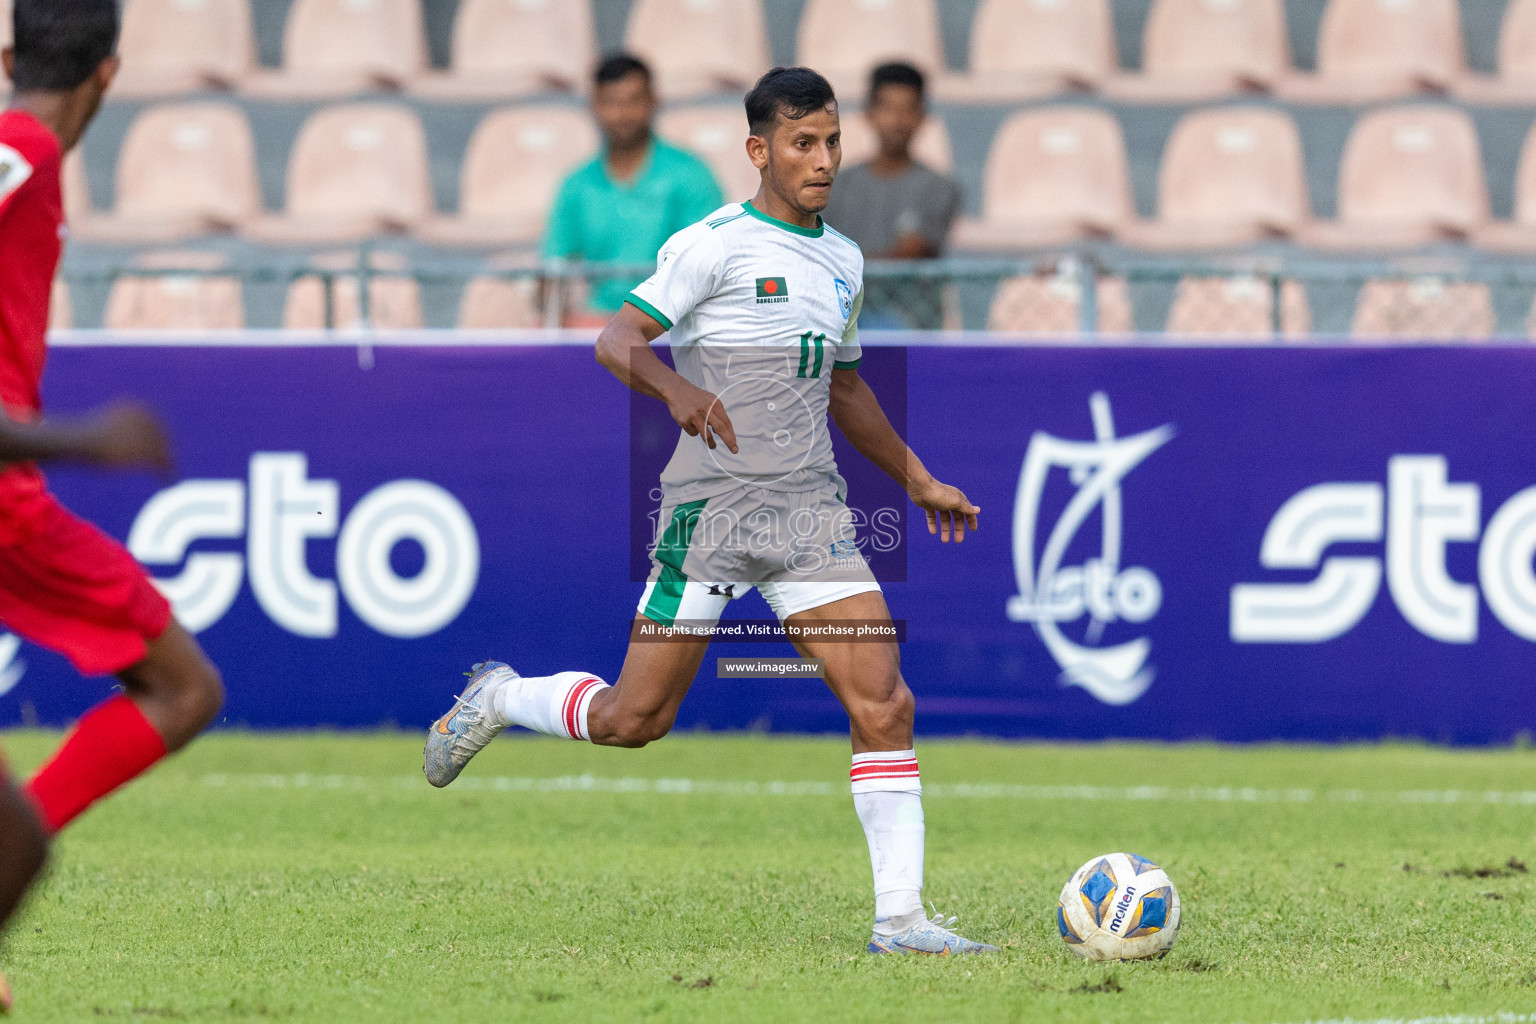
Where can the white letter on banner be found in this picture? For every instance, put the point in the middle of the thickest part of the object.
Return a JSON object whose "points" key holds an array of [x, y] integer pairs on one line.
{"points": [[167, 526], [1504, 564], [287, 509], [1296, 538], [1425, 513], [425, 603]]}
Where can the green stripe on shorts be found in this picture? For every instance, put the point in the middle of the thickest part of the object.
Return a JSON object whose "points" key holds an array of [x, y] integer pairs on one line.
{"points": [[667, 595]]}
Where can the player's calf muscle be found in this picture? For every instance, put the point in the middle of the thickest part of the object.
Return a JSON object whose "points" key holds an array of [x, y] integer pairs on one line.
{"points": [[177, 687]]}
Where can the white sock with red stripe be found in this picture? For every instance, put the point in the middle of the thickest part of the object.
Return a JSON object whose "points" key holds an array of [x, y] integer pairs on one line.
{"points": [[888, 794], [554, 705]]}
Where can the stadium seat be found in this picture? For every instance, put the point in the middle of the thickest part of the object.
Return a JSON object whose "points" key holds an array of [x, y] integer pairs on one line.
{"points": [[1026, 48], [1369, 50], [77, 191], [1410, 175], [1515, 82], [176, 46], [355, 170], [1054, 174], [1519, 234], [176, 302], [1197, 49], [1237, 308], [1049, 305], [505, 48], [495, 303], [337, 47], [700, 46], [184, 169], [718, 136], [1229, 176], [511, 171], [844, 39], [61, 311], [931, 147], [1424, 309]]}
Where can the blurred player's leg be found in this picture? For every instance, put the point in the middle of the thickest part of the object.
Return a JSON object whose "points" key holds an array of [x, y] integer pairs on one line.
{"points": [[887, 789], [23, 849], [171, 695], [639, 708]]}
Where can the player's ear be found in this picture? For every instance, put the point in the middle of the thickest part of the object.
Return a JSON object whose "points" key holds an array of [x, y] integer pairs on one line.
{"points": [[757, 151]]}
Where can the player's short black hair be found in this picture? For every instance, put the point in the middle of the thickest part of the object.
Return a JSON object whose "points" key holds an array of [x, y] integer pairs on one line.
{"points": [[897, 72], [788, 92], [618, 66], [61, 43]]}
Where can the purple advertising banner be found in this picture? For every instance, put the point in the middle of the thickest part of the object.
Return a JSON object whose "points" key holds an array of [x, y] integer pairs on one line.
{"points": [[1227, 543]]}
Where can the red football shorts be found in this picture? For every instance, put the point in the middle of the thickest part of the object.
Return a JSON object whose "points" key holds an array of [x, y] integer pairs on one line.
{"points": [[69, 587]]}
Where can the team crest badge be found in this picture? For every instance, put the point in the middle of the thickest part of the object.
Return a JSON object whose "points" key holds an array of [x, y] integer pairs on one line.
{"points": [[844, 297]]}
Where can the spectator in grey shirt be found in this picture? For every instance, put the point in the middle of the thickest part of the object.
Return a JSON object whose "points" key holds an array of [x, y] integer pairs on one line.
{"points": [[893, 206]]}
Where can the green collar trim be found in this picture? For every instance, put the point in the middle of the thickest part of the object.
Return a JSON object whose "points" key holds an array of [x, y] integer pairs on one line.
{"points": [[793, 229]]}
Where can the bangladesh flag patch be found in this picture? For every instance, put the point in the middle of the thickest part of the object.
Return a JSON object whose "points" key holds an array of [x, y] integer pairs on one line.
{"points": [[772, 289]]}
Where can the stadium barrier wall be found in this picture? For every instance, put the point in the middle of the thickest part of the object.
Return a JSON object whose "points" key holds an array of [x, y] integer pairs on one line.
{"points": [[1236, 543]]}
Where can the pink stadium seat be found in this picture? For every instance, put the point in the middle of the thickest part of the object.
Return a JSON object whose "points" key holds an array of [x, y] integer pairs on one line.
{"points": [[504, 48], [1026, 48], [1054, 174], [700, 46], [511, 172], [1229, 176], [844, 39], [61, 312], [335, 47], [931, 147], [77, 190], [493, 303], [184, 169], [176, 302], [1519, 234], [1516, 78], [175, 46], [356, 170], [1372, 49], [1049, 305], [1237, 308], [1410, 175], [1196, 49], [1426, 309], [718, 136]]}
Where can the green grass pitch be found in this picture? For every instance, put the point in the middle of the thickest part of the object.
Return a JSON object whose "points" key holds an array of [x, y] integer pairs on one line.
{"points": [[318, 878]]}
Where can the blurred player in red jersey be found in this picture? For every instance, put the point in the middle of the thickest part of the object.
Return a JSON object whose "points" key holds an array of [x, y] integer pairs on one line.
{"points": [[63, 583]]}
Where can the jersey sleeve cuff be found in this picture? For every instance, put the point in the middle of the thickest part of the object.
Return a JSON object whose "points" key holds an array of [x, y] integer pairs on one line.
{"points": [[849, 364], [648, 309]]}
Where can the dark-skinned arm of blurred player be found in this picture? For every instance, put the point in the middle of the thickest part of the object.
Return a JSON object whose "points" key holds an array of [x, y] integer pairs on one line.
{"points": [[624, 349], [857, 413], [123, 436]]}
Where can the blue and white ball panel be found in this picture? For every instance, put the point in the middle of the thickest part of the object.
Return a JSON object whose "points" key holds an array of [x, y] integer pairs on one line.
{"points": [[1120, 906]]}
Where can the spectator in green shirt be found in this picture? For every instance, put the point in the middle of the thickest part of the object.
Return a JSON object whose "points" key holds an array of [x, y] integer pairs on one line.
{"points": [[635, 194]]}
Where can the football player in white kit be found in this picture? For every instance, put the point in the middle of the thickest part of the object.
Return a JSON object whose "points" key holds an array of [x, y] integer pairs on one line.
{"points": [[761, 302]]}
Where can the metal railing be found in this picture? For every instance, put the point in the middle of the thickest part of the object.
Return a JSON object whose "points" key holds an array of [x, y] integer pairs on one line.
{"points": [[1081, 296]]}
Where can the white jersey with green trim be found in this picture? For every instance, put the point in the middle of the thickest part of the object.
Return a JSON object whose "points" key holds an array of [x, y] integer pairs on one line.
{"points": [[760, 312]]}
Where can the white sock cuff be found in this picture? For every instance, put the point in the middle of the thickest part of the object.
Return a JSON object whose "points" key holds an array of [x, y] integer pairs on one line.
{"points": [[885, 771]]}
